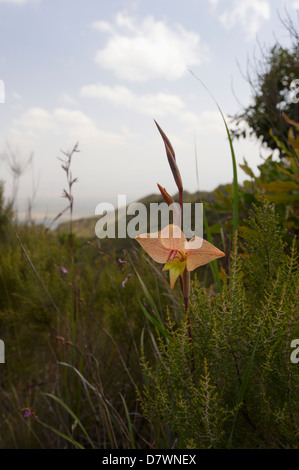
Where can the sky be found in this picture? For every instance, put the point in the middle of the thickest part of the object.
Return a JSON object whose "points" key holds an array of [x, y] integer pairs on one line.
{"points": [[99, 73]]}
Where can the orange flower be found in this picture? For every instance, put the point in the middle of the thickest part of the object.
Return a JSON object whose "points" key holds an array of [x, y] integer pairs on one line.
{"points": [[170, 246]]}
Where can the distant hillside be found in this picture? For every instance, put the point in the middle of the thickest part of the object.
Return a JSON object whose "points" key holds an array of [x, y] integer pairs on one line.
{"points": [[84, 228]]}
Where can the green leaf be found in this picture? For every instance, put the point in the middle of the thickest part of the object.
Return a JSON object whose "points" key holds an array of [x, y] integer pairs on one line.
{"points": [[64, 436], [281, 186], [153, 321], [246, 169], [282, 198], [76, 419], [148, 296], [133, 445], [279, 144]]}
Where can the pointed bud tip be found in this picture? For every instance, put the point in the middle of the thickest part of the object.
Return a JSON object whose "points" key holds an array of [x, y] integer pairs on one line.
{"points": [[166, 196], [168, 147]]}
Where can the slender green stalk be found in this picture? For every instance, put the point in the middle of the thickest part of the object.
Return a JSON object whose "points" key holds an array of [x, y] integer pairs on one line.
{"points": [[72, 414], [133, 445], [235, 174], [213, 264], [185, 277], [75, 443]]}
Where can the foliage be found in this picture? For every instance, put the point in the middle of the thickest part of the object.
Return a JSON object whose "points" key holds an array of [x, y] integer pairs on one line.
{"points": [[271, 88], [95, 322], [235, 334], [92, 370], [277, 182]]}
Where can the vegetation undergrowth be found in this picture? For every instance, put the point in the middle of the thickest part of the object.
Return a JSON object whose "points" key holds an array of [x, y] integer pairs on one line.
{"points": [[243, 391], [88, 326]]}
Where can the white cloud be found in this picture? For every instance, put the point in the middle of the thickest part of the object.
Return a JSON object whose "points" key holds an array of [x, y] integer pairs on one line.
{"points": [[67, 99], [210, 122], [140, 50], [44, 133], [35, 118], [250, 14], [158, 104], [213, 3], [154, 105], [62, 125], [119, 162]]}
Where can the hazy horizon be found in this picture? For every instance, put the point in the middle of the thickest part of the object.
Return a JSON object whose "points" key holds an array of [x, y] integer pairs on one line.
{"points": [[100, 73]]}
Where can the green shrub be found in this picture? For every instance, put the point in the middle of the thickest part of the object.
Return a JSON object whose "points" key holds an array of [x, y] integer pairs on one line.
{"points": [[243, 390]]}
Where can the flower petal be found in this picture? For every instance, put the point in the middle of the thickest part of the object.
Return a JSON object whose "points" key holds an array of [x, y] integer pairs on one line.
{"points": [[159, 244], [173, 238], [175, 268], [199, 252], [126, 279], [153, 246]]}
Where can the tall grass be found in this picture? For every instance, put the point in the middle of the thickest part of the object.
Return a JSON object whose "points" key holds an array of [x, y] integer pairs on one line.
{"points": [[233, 157]]}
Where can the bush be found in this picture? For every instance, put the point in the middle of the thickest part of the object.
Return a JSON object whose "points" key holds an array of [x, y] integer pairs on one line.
{"points": [[233, 384]]}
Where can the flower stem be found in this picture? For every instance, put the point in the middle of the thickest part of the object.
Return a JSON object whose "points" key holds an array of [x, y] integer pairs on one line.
{"points": [[181, 207], [185, 285]]}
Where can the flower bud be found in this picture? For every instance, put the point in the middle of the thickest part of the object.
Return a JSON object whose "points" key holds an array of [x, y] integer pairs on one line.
{"points": [[171, 159], [167, 198]]}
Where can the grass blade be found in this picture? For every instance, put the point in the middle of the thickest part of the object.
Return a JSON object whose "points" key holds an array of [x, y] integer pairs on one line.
{"points": [[154, 321], [129, 423], [149, 298], [58, 400], [235, 173], [64, 436], [213, 264]]}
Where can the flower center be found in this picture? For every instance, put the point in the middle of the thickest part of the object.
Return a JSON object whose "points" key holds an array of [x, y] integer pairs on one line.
{"points": [[176, 254], [175, 264]]}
